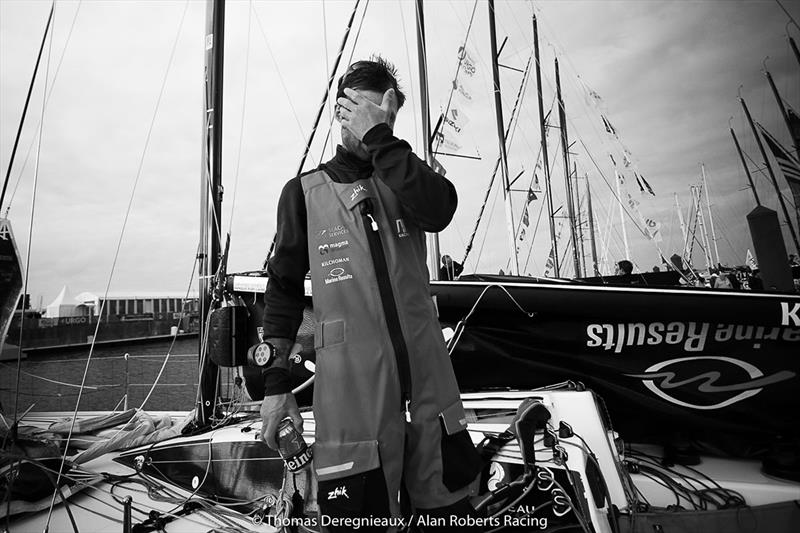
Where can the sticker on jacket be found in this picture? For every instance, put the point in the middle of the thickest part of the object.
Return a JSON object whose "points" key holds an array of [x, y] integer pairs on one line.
{"points": [[326, 248], [357, 190], [336, 275], [332, 232], [335, 261], [401, 228]]}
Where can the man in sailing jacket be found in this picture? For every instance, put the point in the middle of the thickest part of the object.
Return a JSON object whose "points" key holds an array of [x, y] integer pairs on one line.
{"points": [[386, 401]]}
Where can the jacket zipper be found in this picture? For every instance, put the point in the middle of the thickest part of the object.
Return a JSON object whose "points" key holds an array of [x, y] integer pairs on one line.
{"points": [[389, 304]]}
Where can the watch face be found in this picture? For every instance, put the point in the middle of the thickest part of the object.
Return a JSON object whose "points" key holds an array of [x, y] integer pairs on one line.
{"points": [[263, 354]]}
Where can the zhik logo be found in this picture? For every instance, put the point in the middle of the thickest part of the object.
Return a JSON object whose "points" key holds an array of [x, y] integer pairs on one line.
{"points": [[658, 379], [338, 491]]}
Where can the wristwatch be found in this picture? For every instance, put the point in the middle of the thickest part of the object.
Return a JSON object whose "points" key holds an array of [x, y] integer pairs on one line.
{"points": [[261, 355]]}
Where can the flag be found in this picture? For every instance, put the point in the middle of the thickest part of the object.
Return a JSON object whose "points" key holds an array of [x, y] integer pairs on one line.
{"points": [[531, 194], [653, 229], [464, 83], [536, 186], [787, 164], [451, 133], [526, 221], [550, 264], [643, 185], [607, 124], [750, 260], [625, 160]]}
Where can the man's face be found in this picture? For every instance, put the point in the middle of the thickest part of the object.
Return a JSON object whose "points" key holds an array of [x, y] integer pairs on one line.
{"points": [[349, 141]]}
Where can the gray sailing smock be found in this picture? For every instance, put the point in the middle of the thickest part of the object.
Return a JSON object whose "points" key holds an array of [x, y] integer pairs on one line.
{"points": [[380, 349]]}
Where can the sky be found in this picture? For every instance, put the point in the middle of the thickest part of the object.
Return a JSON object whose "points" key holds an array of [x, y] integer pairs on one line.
{"points": [[116, 169]]}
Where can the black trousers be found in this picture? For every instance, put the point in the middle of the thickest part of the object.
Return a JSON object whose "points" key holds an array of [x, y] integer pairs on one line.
{"points": [[364, 497]]}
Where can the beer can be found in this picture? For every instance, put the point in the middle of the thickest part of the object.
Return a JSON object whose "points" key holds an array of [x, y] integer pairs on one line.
{"points": [[292, 447]]}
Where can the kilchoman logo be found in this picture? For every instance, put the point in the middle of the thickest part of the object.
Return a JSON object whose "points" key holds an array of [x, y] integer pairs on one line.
{"points": [[665, 380], [335, 261]]}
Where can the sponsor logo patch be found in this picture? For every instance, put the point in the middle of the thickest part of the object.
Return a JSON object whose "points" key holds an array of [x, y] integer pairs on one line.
{"points": [[357, 190], [338, 491], [336, 275], [333, 247], [332, 232], [401, 228], [335, 261]]}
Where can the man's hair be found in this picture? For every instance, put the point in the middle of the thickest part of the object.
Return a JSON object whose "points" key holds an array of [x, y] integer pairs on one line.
{"points": [[626, 266], [374, 74]]}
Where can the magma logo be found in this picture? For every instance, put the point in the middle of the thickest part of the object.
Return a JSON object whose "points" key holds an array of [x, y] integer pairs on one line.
{"points": [[664, 379]]}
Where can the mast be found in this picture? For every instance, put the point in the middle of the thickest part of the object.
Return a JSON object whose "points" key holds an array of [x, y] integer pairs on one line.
{"points": [[682, 224], [794, 49], [710, 216], [746, 169], [562, 121], [433, 238], [771, 175], [579, 224], [211, 195], [545, 158], [782, 107], [591, 228], [697, 193], [501, 139], [622, 218]]}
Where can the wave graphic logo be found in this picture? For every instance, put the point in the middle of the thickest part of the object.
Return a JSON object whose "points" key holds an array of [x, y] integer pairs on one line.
{"points": [[661, 377]]}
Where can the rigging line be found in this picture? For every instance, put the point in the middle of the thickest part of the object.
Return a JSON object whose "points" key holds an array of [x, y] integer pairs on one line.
{"points": [[28, 254], [327, 59], [613, 192], [280, 76], [486, 233], [506, 137], [607, 240], [324, 101], [725, 236], [241, 123], [59, 382], [28, 98], [48, 29], [175, 337], [331, 78], [535, 231], [39, 124], [349, 62], [410, 78], [759, 171], [552, 163], [119, 242]]}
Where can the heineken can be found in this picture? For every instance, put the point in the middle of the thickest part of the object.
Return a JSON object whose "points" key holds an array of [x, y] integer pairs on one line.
{"points": [[292, 447]]}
